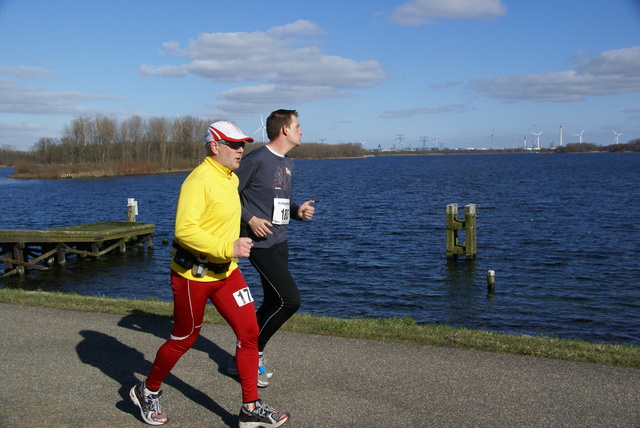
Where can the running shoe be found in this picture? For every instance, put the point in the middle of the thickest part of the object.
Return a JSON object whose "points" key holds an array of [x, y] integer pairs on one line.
{"points": [[262, 416], [263, 375], [149, 405], [262, 362]]}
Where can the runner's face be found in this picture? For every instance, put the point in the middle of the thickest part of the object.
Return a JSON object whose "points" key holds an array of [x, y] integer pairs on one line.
{"points": [[228, 156], [294, 132]]}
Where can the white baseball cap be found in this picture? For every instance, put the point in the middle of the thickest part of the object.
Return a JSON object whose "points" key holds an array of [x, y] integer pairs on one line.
{"points": [[227, 131]]}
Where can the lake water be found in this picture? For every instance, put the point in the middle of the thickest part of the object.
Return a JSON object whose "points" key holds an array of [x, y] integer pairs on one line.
{"points": [[561, 231]]}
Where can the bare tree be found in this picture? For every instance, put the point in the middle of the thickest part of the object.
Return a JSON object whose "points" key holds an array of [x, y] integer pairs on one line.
{"points": [[105, 133], [77, 136], [188, 136], [131, 136], [157, 138], [45, 150]]}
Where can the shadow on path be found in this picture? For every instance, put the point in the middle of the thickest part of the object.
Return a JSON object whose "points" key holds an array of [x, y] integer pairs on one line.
{"points": [[121, 362]]}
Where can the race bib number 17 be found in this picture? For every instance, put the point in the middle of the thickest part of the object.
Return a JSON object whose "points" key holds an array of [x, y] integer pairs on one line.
{"points": [[243, 297], [281, 211]]}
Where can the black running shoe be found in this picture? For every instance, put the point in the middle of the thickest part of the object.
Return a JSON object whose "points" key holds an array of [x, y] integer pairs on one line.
{"points": [[262, 416]]}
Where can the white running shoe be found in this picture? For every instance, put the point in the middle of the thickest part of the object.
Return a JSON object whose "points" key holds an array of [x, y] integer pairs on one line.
{"points": [[149, 405], [263, 375]]}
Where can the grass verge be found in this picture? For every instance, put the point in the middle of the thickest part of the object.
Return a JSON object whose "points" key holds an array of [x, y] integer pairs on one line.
{"points": [[400, 330]]}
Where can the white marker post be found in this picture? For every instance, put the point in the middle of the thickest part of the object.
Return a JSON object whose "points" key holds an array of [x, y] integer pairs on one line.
{"points": [[132, 209]]}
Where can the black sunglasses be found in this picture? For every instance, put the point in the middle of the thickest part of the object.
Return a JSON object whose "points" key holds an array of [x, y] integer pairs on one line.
{"points": [[233, 145]]}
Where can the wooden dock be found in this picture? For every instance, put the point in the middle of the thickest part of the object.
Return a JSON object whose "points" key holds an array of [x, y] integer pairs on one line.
{"points": [[40, 249]]}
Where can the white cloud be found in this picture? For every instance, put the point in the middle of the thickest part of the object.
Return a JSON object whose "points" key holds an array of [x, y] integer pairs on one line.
{"points": [[27, 72], [633, 114], [445, 85], [298, 28], [239, 101], [17, 98], [611, 72], [170, 48], [13, 133], [281, 94], [418, 12], [392, 114], [284, 58], [164, 71], [623, 62]]}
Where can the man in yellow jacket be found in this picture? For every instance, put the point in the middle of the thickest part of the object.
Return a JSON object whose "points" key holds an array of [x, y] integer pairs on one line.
{"points": [[203, 268]]}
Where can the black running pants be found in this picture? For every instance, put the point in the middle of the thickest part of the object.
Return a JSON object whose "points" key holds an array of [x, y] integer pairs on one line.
{"points": [[281, 295]]}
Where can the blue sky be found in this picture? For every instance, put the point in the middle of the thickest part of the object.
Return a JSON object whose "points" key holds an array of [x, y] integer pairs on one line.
{"points": [[469, 73]]}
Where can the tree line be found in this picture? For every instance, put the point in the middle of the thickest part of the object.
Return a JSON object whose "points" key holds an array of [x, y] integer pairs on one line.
{"points": [[631, 146], [103, 139], [170, 143]]}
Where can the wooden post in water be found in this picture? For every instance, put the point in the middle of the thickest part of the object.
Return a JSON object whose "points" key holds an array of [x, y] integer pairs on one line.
{"points": [[453, 225], [491, 280], [468, 248], [6, 260], [132, 209], [18, 255], [470, 230], [62, 258]]}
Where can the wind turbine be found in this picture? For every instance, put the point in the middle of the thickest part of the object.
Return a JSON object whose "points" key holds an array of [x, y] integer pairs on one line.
{"points": [[616, 136], [579, 135], [491, 147], [261, 128], [537, 138], [560, 135], [84, 130]]}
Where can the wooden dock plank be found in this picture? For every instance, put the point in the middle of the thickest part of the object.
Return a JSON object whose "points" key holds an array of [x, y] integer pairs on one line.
{"points": [[90, 232]]}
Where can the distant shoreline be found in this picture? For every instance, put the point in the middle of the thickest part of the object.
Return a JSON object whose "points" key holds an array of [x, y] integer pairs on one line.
{"points": [[52, 172]]}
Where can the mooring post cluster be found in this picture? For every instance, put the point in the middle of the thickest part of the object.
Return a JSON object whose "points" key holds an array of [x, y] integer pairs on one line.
{"points": [[467, 225], [468, 247]]}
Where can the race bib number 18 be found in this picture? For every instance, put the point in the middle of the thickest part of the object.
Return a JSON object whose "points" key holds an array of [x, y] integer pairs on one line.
{"points": [[281, 211]]}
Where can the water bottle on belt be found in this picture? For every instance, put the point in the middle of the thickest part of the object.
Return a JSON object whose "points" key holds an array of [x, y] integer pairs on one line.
{"points": [[200, 268]]}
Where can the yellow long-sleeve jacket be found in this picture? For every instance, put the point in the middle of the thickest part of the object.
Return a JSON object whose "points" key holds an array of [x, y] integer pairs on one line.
{"points": [[208, 217]]}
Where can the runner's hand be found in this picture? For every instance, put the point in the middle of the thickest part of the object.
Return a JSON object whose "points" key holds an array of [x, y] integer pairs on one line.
{"points": [[306, 210], [242, 247], [260, 227]]}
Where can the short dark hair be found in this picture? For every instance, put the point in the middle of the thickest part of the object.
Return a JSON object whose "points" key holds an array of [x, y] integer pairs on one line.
{"points": [[277, 120]]}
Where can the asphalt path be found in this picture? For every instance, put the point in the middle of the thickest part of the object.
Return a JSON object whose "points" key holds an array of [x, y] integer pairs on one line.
{"points": [[61, 368]]}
